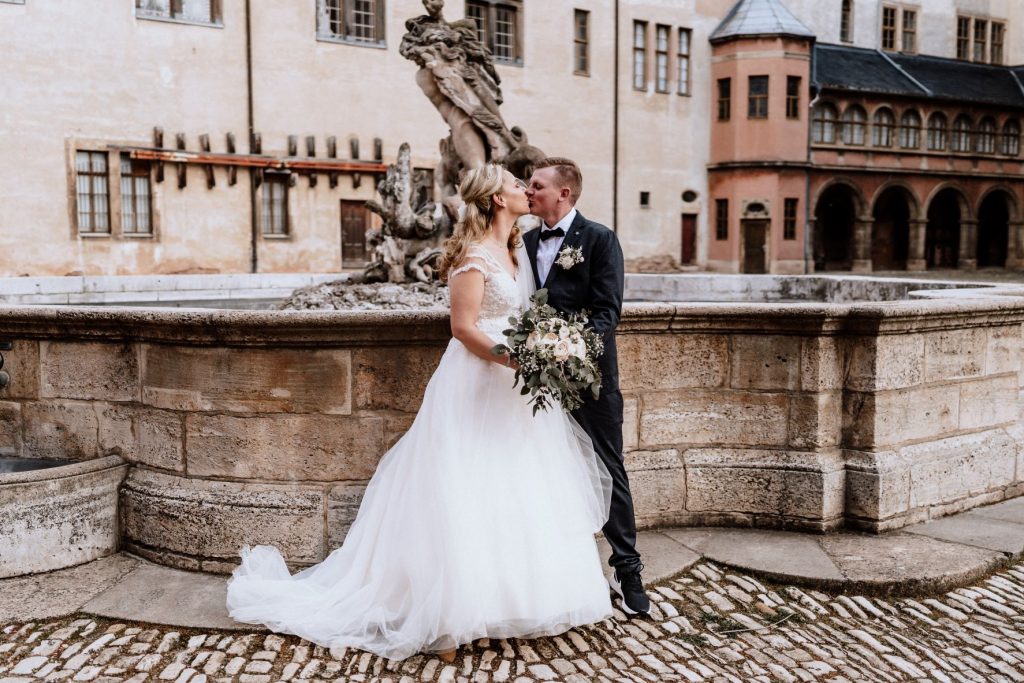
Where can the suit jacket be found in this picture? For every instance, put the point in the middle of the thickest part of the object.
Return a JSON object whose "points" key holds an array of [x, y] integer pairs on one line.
{"points": [[595, 285]]}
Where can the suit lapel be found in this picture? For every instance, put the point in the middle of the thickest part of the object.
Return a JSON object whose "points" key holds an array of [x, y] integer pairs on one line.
{"points": [[531, 239], [573, 238]]}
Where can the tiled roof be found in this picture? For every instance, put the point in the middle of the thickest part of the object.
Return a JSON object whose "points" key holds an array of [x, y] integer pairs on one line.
{"points": [[759, 18], [838, 67]]}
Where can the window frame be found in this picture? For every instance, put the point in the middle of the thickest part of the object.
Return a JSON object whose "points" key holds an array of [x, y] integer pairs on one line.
{"points": [[757, 103], [789, 217], [106, 230], [979, 40], [986, 138], [724, 99], [961, 139], [275, 179], [216, 14], [854, 131], [346, 10], [1009, 138], [997, 50], [684, 82], [963, 38], [824, 130], [487, 28], [581, 44], [721, 220], [661, 52], [887, 39], [641, 76], [910, 130], [793, 86], [129, 199], [904, 31], [883, 130], [938, 135], [846, 22]]}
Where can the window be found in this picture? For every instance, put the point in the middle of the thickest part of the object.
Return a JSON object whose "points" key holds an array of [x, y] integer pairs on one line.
{"points": [[640, 55], [275, 204], [938, 126], [987, 136], [882, 130], [581, 41], [980, 40], [498, 27], [683, 62], [661, 58], [963, 38], [998, 41], [1010, 145], [136, 218], [724, 99], [645, 199], [789, 218], [823, 128], [909, 36], [962, 134], [846, 22], [351, 21], [888, 28], [757, 97], [793, 97], [194, 11], [92, 190], [854, 123], [910, 130], [721, 219]]}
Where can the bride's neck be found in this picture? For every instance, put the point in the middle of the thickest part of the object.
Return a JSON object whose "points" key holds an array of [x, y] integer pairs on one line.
{"points": [[501, 227]]}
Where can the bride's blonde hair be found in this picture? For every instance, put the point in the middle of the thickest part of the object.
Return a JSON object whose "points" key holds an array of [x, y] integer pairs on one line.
{"points": [[477, 190]]}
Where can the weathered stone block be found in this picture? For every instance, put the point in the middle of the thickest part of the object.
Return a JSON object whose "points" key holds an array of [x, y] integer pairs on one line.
{"points": [[714, 417], [142, 435], [214, 519], [60, 430], [630, 423], [22, 364], [248, 380], [821, 364], [672, 361], [952, 354], [885, 362], [765, 362], [395, 427], [878, 487], [1003, 352], [284, 447], [394, 377], [653, 460], [989, 402], [815, 420], [658, 491], [342, 507], [948, 469], [892, 417], [10, 428], [89, 371]]}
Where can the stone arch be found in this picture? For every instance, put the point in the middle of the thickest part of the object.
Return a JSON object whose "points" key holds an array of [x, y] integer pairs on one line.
{"points": [[894, 207], [997, 211], [837, 206], [948, 210]]}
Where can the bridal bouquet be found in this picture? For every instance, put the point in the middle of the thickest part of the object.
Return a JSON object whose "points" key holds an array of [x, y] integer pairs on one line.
{"points": [[557, 356]]}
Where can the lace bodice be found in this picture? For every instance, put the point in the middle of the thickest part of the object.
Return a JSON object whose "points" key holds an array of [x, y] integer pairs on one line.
{"points": [[501, 292]]}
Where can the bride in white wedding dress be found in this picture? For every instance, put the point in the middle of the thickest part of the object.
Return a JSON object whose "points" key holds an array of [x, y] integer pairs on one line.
{"points": [[480, 521]]}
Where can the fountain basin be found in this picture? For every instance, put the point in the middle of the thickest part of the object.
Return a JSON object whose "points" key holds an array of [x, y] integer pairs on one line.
{"points": [[57, 514]]}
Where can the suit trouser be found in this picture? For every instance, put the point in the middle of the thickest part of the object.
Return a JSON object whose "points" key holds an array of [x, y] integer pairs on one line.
{"points": [[602, 420]]}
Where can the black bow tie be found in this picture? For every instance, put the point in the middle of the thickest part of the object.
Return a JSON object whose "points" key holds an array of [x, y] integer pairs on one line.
{"points": [[549, 234]]}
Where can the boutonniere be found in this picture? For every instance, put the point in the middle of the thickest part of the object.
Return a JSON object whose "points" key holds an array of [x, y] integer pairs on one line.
{"points": [[569, 257]]}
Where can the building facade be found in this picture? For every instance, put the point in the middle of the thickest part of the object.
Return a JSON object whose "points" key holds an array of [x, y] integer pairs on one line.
{"points": [[192, 136]]}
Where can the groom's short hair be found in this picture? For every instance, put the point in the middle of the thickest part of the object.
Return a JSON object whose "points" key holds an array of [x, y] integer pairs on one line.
{"points": [[568, 173]]}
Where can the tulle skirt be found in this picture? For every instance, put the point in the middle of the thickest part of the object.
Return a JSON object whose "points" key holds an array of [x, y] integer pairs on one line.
{"points": [[478, 523]]}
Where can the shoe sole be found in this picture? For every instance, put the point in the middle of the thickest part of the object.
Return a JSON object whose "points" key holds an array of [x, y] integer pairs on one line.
{"points": [[617, 587]]}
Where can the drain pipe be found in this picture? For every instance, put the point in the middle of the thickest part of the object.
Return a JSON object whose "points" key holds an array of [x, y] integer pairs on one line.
{"points": [[254, 226], [615, 129]]}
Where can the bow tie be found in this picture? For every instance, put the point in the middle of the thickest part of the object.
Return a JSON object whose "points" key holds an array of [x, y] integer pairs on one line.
{"points": [[549, 234]]}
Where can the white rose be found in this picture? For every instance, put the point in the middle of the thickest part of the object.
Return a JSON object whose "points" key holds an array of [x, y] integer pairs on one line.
{"points": [[579, 349], [532, 340], [563, 350], [549, 339], [563, 332]]}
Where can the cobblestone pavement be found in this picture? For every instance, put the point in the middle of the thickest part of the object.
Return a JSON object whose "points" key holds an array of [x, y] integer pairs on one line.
{"points": [[707, 625]]}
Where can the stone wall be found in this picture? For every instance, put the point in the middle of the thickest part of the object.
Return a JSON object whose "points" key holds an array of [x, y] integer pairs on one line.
{"points": [[250, 427]]}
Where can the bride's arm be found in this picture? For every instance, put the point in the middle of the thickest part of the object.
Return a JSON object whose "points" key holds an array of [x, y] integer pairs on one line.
{"points": [[467, 294]]}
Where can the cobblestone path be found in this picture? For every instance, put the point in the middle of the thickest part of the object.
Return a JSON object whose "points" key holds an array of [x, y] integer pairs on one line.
{"points": [[708, 625]]}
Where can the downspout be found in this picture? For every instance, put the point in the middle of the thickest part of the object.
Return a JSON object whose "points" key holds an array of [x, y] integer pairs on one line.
{"points": [[615, 130], [808, 237], [254, 227]]}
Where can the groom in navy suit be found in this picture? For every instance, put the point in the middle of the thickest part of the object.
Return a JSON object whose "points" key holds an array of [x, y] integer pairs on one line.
{"points": [[594, 285]]}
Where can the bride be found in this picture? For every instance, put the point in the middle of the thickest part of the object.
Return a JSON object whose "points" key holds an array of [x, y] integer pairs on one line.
{"points": [[480, 521]]}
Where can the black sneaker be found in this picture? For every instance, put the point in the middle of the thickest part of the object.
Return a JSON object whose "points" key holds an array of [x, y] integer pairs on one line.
{"points": [[627, 583]]}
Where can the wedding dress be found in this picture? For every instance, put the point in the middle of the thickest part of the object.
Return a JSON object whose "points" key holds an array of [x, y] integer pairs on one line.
{"points": [[478, 523]]}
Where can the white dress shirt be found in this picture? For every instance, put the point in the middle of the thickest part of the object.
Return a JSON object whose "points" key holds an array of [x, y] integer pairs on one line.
{"points": [[547, 250]]}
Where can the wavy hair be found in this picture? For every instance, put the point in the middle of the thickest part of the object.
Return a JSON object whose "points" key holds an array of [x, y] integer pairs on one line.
{"points": [[478, 187]]}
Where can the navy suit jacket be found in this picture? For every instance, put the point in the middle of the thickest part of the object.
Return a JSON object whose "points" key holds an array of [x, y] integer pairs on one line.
{"points": [[595, 285]]}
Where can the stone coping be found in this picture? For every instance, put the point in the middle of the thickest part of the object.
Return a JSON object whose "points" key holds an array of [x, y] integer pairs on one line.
{"points": [[72, 469]]}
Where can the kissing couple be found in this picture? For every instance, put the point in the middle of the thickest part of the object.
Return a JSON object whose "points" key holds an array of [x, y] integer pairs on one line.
{"points": [[480, 521]]}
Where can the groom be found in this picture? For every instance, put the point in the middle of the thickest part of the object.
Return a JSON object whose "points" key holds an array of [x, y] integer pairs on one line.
{"points": [[594, 285]]}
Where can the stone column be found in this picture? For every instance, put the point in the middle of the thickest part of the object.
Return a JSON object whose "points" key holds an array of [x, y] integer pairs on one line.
{"points": [[916, 258], [862, 244], [1014, 243], [968, 259]]}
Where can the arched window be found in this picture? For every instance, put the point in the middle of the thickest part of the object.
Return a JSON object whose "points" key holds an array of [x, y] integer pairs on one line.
{"points": [[910, 130], [938, 132], [1010, 139], [823, 128], [854, 123], [963, 131], [883, 128], [987, 136]]}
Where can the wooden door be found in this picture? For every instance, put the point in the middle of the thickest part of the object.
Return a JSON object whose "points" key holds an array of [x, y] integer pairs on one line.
{"points": [[355, 219], [755, 246], [689, 238]]}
